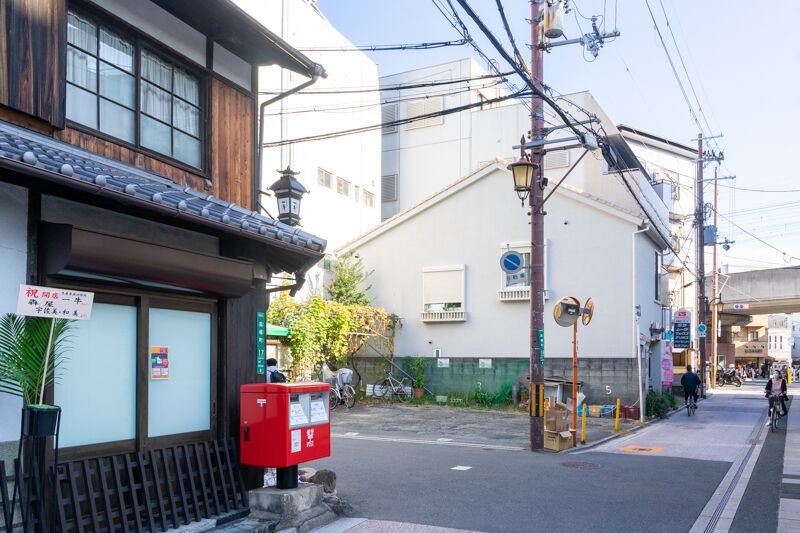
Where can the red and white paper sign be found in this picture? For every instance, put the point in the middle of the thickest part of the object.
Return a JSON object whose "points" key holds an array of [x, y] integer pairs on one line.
{"points": [[48, 302]]}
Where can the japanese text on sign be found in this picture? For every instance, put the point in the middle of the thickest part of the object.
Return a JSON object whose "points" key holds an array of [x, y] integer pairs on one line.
{"points": [[261, 338], [54, 303]]}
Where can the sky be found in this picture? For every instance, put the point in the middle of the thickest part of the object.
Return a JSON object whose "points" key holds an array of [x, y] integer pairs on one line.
{"points": [[742, 64]]}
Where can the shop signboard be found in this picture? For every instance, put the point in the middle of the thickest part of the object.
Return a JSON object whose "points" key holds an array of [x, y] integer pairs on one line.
{"points": [[667, 371], [682, 329]]}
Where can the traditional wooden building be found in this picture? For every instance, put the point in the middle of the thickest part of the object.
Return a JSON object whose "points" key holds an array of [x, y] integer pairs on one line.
{"points": [[129, 168]]}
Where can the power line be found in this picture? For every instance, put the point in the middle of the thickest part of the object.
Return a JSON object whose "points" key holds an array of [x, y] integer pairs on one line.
{"points": [[398, 122], [759, 239], [399, 87], [340, 106], [385, 47]]}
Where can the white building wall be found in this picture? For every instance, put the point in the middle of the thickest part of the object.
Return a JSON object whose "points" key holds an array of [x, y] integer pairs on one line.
{"points": [[355, 158], [470, 228], [13, 265]]}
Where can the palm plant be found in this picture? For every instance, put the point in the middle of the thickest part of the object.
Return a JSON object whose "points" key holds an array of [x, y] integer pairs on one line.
{"points": [[23, 347]]}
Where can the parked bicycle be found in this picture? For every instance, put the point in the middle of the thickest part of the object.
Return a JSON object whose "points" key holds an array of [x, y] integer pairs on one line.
{"points": [[342, 392], [391, 388]]}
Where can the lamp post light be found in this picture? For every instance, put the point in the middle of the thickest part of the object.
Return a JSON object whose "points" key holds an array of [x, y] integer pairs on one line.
{"points": [[522, 173], [288, 192]]}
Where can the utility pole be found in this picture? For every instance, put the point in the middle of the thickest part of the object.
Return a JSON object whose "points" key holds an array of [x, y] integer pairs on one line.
{"points": [[536, 370], [714, 312], [701, 277]]}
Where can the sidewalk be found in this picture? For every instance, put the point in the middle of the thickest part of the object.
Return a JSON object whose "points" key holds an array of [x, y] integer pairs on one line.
{"points": [[362, 525], [789, 511]]}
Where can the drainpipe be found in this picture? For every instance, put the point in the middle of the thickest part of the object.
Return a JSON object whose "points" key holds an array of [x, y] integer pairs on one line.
{"points": [[636, 321], [319, 71]]}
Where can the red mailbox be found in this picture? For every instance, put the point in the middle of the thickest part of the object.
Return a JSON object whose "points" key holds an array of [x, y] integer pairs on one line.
{"points": [[284, 424]]}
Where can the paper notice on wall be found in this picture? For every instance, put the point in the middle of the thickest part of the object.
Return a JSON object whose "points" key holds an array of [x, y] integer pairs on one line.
{"points": [[297, 416], [295, 441], [318, 411], [159, 362], [443, 362], [484, 363]]}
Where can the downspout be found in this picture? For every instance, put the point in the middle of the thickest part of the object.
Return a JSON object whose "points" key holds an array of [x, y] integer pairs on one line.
{"points": [[318, 72], [636, 321]]}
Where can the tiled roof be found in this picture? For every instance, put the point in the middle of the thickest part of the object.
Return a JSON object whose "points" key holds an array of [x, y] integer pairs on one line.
{"points": [[81, 167]]}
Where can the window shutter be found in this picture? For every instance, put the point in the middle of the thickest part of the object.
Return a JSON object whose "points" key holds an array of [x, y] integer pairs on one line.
{"points": [[389, 188], [440, 286], [557, 159], [424, 106], [388, 114]]}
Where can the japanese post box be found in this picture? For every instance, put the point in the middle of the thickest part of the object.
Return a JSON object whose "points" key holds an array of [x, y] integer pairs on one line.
{"points": [[284, 424]]}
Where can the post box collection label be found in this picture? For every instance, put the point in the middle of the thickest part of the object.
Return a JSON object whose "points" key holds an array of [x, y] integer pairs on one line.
{"points": [[296, 441]]}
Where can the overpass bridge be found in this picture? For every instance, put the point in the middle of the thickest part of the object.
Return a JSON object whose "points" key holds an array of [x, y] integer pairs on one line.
{"points": [[757, 292]]}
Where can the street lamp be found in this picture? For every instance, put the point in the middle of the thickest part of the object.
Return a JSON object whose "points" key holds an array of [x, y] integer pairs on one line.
{"points": [[288, 191], [522, 173]]}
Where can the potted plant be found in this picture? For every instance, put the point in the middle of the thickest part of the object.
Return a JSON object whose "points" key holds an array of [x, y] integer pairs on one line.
{"points": [[417, 367], [31, 349]]}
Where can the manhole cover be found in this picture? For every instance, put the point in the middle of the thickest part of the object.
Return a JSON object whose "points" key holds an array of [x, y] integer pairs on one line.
{"points": [[580, 465]]}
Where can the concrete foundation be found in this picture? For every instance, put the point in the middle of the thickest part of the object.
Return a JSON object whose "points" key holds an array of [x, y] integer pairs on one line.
{"points": [[301, 508]]}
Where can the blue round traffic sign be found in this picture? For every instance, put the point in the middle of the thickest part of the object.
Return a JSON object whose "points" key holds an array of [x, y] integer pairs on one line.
{"points": [[511, 262]]}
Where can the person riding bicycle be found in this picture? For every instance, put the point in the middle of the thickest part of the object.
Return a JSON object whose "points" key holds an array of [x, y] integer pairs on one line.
{"points": [[691, 384], [776, 388]]}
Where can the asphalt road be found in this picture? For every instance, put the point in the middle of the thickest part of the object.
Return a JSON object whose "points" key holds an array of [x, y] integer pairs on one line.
{"points": [[437, 468]]}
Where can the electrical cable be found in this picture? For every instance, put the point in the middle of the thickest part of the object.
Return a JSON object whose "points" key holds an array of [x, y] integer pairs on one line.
{"points": [[385, 47], [531, 85], [399, 87], [398, 122], [349, 107]]}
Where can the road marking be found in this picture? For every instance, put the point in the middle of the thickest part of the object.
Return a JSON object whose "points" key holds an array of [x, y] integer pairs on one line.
{"points": [[350, 434], [461, 468], [641, 449], [444, 440], [418, 441]]}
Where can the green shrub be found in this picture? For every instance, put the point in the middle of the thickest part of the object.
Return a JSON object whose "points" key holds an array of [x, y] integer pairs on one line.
{"points": [[657, 405], [671, 399]]}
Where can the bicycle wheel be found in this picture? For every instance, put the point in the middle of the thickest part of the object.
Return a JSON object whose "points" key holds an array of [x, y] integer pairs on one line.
{"points": [[349, 396], [773, 416], [401, 393], [689, 408], [334, 399], [381, 387]]}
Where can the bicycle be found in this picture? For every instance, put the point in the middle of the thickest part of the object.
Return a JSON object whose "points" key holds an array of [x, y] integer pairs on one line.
{"points": [[340, 381], [345, 394], [391, 388], [691, 405], [774, 405]]}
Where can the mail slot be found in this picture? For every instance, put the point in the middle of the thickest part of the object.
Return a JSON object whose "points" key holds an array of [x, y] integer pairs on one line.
{"points": [[284, 424]]}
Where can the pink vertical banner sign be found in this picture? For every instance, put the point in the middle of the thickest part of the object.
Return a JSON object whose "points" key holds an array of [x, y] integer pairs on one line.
{"points": [[667, 373]]}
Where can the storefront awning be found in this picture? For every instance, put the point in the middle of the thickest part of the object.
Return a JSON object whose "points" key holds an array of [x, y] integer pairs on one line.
{"points": [[37, 161], [277, 331]]}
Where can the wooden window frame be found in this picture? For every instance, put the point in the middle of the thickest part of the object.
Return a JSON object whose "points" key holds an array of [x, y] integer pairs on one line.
{"points": [[143, 302], [101, 18]]}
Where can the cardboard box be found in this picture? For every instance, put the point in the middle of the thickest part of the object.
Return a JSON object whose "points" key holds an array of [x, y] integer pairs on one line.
{"points": [[594, 411], [557, 440], [557, 418]]}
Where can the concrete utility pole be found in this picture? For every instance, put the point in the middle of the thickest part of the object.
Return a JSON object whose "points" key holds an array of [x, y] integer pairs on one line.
{"points": [[536, 370], [701, 276], [714, 313]]}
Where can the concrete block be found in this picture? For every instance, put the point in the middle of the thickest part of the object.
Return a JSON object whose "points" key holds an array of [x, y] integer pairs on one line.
{"points": [[301, 508]]}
